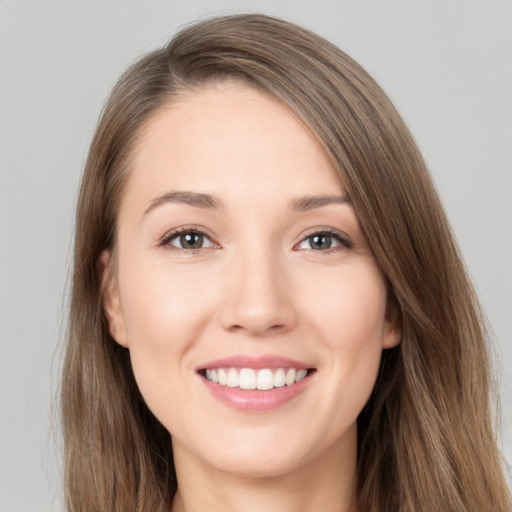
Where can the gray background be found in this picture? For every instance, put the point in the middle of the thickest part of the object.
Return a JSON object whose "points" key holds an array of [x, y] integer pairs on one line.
{"points": [[446, 64]]}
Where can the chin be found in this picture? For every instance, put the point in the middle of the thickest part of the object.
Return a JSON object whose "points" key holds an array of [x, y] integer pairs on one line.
{"points": [[259, 464], [258, 452]]}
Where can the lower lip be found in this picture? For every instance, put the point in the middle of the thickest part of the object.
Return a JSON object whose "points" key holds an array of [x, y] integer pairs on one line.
{"points": [[255, 400]]}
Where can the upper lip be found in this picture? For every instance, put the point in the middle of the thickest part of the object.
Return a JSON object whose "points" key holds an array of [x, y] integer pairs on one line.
{"points": [[254, 362]]}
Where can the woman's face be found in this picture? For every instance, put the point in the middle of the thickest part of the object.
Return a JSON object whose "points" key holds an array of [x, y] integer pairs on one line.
{"points": [[240, 259]]}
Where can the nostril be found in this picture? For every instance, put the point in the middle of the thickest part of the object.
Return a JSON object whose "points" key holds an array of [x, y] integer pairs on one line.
{"points": [[277, 327], [254, 328]]}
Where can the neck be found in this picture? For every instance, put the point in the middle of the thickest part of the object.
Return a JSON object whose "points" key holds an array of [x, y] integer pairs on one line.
{"points": [[326, 484]]}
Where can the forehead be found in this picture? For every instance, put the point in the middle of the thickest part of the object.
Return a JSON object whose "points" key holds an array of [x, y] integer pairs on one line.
{"points": [[232, 140]]}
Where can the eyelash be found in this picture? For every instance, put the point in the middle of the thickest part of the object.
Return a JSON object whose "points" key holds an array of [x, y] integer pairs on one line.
{"points": [[185, 230], [340, 237]]}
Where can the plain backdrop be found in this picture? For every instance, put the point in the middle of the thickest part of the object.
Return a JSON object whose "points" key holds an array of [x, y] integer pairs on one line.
{"points": [[447, 65]]}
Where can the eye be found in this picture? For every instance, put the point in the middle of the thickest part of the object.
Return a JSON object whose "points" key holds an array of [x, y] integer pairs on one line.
{"points": [[323, 241], [187, 240]]}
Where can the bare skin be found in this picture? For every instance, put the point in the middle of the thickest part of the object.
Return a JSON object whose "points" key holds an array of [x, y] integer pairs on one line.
{"points": [[236, 239], [326, 487]]}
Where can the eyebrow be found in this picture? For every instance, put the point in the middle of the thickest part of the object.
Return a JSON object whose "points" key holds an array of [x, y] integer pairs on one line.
{"points": [[196, 199], [207, 201], [304, 204]]}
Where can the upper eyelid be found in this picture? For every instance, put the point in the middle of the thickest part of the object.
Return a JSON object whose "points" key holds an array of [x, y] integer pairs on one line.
{"points": [[192, 228], [169, 235], [344, 240], [327, 230]]}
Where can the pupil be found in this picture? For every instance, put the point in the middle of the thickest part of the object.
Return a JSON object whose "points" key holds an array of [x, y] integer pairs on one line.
{"points": [[321, 241], [191, 241]]}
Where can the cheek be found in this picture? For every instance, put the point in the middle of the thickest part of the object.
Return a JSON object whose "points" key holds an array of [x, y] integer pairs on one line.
{"points": [[351, 320], [161, 305], [350, 310], [163, 314]]}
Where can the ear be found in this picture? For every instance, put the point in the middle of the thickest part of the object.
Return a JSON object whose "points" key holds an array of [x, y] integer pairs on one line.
{"points": [[392, 326], [111, 301]]}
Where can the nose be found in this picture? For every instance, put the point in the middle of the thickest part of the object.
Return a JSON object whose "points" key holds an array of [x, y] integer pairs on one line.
{"points": [[258, 297]]}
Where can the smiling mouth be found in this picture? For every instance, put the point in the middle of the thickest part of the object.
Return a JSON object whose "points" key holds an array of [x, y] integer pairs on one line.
{"points": [[263, 379]]}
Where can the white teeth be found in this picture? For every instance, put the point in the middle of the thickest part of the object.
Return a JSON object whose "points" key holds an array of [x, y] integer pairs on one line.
{"points": [[265, 380], [300, 375], [232, 379], [279, 378], [290, 377], [247, 378]]}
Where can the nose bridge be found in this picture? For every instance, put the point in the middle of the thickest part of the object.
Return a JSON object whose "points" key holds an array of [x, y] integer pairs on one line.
{"points": [[257, 295]]}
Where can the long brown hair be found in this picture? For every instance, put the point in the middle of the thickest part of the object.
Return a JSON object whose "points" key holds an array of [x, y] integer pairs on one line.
{"points": [[425, 439]]}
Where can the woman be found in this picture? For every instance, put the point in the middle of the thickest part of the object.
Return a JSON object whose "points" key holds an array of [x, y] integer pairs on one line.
{"points": [[269, 311]]}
